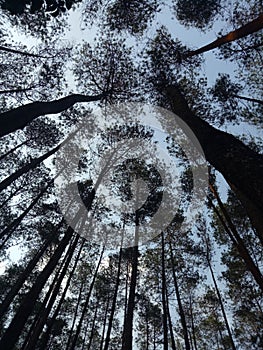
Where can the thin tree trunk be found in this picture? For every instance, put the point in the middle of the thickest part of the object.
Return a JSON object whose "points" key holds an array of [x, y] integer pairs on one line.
{"points": [[44, 316], [44, 303], [84, 310], [170, 321], [128, 322], [23, 276], [233, 159], [92, 329], [249, 28], [165, 327], [114, 300], [44, 342], [20, 52], [21, 116], [30, 166], [104, 323], [221, 305], [249, 99], [180, 306], [192, 323], [75, 316], [16, 326], [241, 248], [14, 224], [13, 149]]}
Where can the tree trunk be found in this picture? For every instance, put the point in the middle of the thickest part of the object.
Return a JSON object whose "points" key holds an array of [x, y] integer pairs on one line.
{"points": [[221, 305], [170, 321], [84, 310], [20, 52], [114, 300], [165, 327], [75, 316], [241, 167], [92, 329], [44, 315], [249, 28], [16, 326], [104, 323], [22, 277], [237, 241], [249, 99], [14, 224], [180, 306], [30, 166], [128, 322], [21, 116], [13, 149], [45, 338]]}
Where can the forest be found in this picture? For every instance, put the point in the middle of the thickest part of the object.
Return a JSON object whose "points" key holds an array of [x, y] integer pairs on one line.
{"points": [[131, 176]]}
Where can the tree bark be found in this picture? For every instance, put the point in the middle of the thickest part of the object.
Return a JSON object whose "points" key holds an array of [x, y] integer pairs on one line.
{"points": [[241, 167], [21, 116], [249, 28]]}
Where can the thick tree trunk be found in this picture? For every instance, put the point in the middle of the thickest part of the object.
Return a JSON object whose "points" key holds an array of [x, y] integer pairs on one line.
{"points": [[16, 326], [241, 167], [19, 117], [249, 28]]}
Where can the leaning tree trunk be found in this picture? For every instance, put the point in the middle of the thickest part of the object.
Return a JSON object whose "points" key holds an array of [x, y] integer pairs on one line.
{"points": [[16, 326], [21, 116], [237, 240], [241, 167], [25, 274], [32, 343], [249, 28], [46, 335]]}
